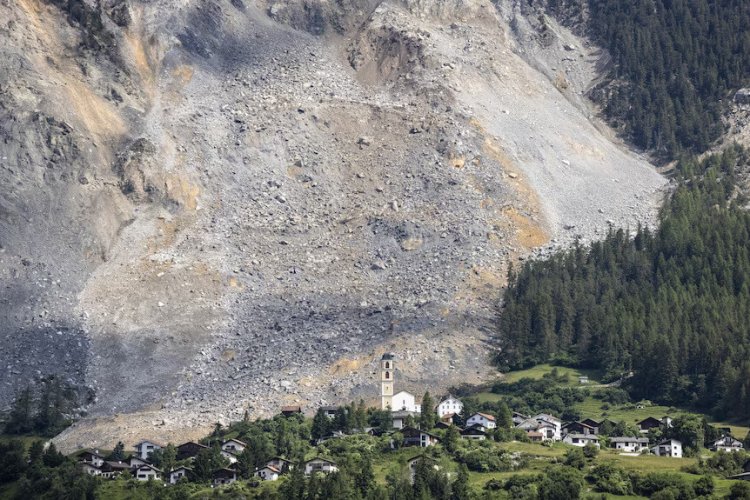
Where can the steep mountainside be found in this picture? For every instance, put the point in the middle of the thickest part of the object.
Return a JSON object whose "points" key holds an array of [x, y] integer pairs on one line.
{"points": [[214, 205]]}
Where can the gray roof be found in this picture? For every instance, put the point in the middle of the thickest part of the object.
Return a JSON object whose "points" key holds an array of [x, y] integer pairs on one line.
{"points": [[582, 436], [627, 439], [388, 355]]}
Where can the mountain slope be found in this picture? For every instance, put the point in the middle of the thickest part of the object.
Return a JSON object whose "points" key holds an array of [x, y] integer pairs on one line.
{"points": [[245, 203]]}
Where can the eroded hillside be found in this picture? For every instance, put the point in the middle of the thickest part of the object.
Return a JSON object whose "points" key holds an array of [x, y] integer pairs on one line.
{"points": [[215, 205]]}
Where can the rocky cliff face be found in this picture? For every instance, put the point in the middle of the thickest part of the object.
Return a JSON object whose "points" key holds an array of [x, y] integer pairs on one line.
{"points": [[214, 205]]}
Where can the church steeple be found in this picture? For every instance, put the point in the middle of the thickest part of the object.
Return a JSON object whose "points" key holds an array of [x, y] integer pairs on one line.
{"points": [[387, 374]]}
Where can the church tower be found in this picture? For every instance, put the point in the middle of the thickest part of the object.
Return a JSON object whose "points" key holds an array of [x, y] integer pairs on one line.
{"points": [[386, 381]]}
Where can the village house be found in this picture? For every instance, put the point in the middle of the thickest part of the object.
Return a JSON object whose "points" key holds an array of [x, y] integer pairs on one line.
{"points": [[179, 473], [113, 469], [745, 475], [592, 423], [281, 464], [475, 432], [135, 461], [231, 457], [485, 420], [189, 450], [268, 473], [581, 439], [549, 426], [449, 405], [629, 444], [417, 437], [668, 448], [89, 468], [577, 428], [290, 410], [234, 446], [91, 457], [649, 423], [399, 418], [405, 401], [146, 472], [519, 418], [223, 476], [145, 448], [535, 436], [319, 464], [583, 379], [330, 411], [727, 443]]}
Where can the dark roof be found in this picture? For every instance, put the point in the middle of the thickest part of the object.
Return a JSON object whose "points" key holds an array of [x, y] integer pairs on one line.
{"points": [[473, 431], [291, 409], [591, 422], [116, 465], [388, 355], [330, 408], [650, 420], [321, 459], [421, 457], [192, 443], [571, 424], [224, 473], [410, 431]]}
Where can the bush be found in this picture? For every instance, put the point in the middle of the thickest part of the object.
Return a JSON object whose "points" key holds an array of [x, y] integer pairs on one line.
{"points": [[561, 483], [609, 478], [739, 491]]}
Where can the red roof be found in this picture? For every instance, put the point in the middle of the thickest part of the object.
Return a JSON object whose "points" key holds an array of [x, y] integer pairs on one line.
{"points": [[487, 416]]}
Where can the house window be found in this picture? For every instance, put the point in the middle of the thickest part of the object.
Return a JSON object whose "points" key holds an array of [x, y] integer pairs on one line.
{"points": [[387, 365], [387, 375]]}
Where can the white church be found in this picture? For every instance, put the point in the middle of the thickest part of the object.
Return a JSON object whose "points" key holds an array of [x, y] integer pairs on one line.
{"points": [[401, 401]]}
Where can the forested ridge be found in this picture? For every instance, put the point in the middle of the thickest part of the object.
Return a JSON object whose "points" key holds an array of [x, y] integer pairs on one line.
{"points": [[671, 305], [674, 63]]}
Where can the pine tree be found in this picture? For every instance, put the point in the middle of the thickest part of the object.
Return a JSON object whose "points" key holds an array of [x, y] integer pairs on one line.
{"points": [[21, 416], [504, 416], [321, 425], [451, 439], [428, 417], [118, 453]]}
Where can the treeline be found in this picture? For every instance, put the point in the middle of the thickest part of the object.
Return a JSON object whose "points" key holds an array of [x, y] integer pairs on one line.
{"points": [[45, 408], [672, 306], [674, 62]]}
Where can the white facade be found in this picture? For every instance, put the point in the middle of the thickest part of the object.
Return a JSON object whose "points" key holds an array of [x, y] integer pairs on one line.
{"points": [[229, 456], [90, 469], [268, 473], [629, 444], [669, 448], [482, 419], [178, 474], [404, 401], [233, 446], [144, 448], [319, 465], [449, 405], [146, 472]]}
